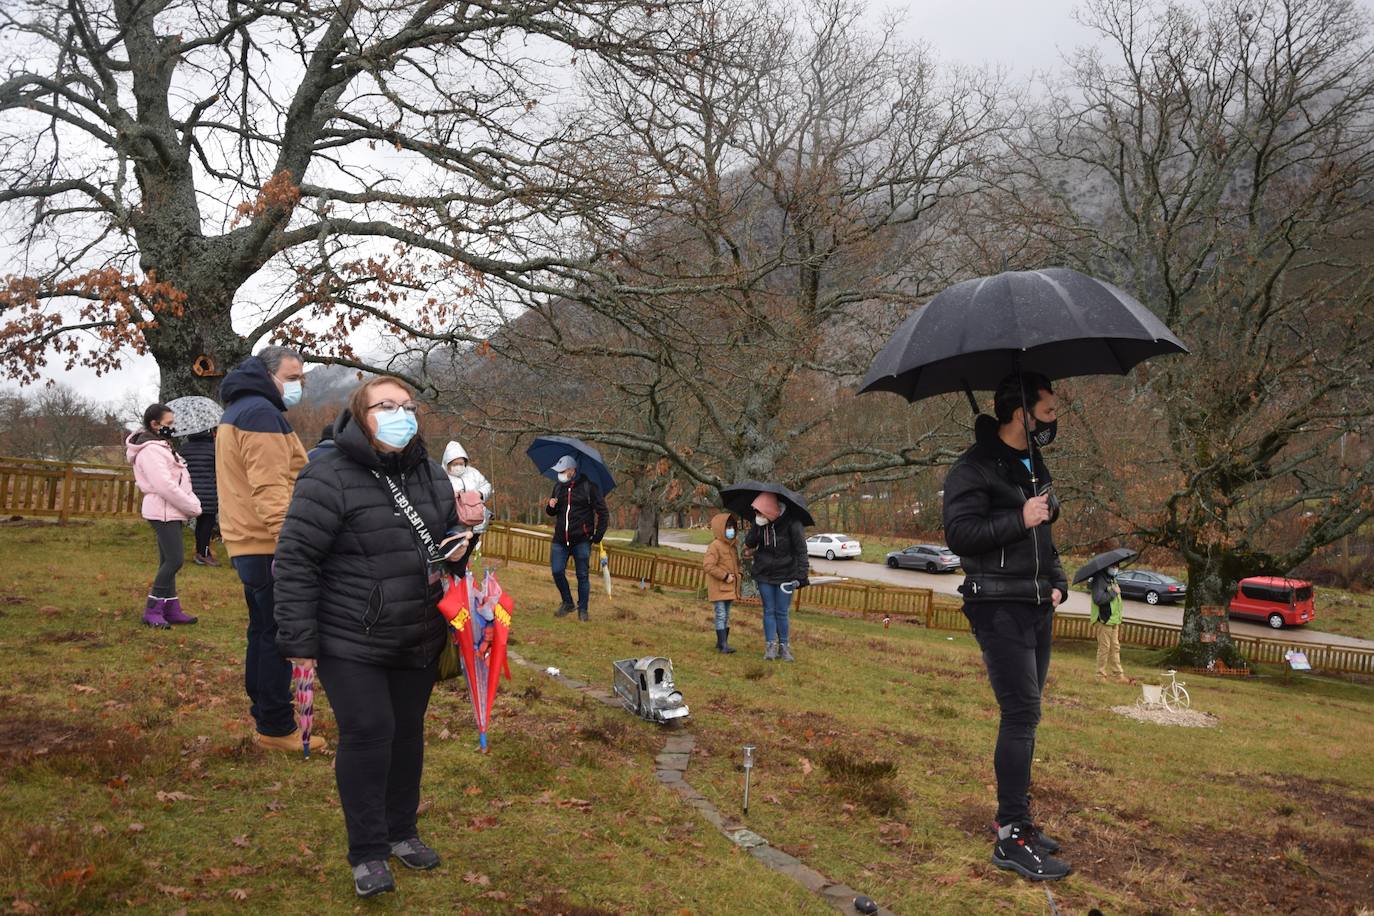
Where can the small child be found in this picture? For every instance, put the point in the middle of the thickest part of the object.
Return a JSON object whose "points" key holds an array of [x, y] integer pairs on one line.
{"points": [[722, 576]]}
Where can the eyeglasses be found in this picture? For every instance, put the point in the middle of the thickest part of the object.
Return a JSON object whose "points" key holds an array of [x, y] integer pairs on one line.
{"points": [[409, 407]]}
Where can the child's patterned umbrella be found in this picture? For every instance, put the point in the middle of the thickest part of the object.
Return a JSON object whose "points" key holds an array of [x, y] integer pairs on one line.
{"points": [[303, 682]]}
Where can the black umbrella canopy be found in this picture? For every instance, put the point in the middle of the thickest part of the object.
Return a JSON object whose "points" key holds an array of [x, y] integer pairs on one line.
{"points": [[738, 496], [1102, 561], [1055, 321]]}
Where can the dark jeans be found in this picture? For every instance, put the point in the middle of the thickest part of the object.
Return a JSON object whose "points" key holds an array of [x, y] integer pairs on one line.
{"points": [[171, 554], [581, 555], [205, 531], [1015, 639], [381, 750], [266, 675]]}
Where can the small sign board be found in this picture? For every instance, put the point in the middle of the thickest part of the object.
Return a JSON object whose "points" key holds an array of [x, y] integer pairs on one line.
{"points": [[1212, 611], [1207, 637], [1297, 660]]}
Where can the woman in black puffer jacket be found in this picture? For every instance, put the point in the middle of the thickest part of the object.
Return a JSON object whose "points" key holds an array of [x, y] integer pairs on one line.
{"points": [[356, 596]]}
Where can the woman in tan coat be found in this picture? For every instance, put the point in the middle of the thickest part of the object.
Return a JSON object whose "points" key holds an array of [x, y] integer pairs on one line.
{"points": [[722, 575]]}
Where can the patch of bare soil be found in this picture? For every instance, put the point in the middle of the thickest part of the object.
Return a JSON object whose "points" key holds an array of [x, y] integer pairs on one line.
{"points": [[78, 746]]}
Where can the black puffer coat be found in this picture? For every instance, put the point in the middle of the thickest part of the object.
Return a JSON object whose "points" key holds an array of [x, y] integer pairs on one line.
{"points": [[199, 452], [351, 578], [985, 493], [779, 551]]}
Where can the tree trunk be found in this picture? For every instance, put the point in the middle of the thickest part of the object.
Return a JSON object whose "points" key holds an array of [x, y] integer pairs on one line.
{"points": [[1201, 643], [204, 329], [646, 526]]}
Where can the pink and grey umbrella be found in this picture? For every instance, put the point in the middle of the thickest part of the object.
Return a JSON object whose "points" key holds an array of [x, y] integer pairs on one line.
{"points": [[303, 682]]}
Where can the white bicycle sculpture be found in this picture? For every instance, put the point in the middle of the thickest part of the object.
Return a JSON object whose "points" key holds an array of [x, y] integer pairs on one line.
{"points": [[1169, 693]]}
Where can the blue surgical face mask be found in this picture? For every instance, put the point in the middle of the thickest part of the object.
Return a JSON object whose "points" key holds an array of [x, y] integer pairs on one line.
{"points": [[729, 532], [396, 428], [291, 393]]}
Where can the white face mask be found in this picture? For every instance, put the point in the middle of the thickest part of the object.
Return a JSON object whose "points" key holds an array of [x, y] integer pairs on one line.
{"points": [[1112, 571], [760, 519], [565, 476], [729, 533]]}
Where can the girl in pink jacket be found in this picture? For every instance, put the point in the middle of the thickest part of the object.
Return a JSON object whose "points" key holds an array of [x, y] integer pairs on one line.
{"points": [[168, 502]]}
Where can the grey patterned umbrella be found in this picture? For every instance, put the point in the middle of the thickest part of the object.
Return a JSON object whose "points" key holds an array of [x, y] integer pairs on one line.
{"points": [[195, 414]]}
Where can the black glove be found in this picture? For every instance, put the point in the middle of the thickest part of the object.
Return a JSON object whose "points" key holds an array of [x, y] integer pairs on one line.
{"points": [[803, 582]]}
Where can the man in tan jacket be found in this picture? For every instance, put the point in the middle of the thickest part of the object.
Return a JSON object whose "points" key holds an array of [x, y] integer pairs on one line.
{"points": [[257, 457]]}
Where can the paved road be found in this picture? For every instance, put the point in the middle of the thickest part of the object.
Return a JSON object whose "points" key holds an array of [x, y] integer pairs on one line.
{"points": [[1078, 602]]}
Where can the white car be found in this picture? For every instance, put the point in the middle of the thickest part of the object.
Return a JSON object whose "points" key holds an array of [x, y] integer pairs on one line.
{"points": [[832, 546]]}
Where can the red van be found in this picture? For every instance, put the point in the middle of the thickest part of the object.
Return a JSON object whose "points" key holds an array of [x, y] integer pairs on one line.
{"points": [[1279, 601]]}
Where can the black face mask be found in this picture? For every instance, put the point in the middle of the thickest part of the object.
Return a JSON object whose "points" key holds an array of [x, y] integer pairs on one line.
{"points": [[163, 432], [1045, 431]]}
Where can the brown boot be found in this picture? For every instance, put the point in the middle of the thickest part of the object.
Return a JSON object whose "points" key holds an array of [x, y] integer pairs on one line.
{"points": [[290, 743]]}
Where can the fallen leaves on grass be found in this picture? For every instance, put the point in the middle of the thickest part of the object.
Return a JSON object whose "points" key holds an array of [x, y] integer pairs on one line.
{"points": [[473, 877], [168, 798]]}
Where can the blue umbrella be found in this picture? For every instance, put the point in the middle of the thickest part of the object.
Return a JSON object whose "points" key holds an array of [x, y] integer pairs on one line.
{"points": [[546, 450]]}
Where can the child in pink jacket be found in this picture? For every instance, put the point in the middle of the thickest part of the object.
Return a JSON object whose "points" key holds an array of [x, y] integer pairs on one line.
{"points": [[168, 502]]}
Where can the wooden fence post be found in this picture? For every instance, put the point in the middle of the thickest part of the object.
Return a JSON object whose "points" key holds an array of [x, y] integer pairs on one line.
{"points": [[68, 488]]}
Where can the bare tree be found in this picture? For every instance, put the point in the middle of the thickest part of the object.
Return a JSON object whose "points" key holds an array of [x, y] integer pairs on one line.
{"points": [[1217, 162], [54, 423], [777, 205], [351, 165]]}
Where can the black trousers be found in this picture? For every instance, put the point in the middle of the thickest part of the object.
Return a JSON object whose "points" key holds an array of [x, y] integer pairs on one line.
{"points": [[381, 749], [266, 675], [1015, 639], [171, 554], [205, 530]]}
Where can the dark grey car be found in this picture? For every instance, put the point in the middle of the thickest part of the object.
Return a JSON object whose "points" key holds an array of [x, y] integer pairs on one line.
{"points": [[1151, 587], [928, 557]]}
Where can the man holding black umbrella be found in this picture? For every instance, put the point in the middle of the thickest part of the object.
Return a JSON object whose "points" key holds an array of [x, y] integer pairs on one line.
{"points": [[580, 519], [998, 511]]}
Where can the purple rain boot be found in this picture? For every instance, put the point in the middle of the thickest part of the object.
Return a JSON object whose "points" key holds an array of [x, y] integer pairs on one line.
{"points": [[171, 610], [153, 613]]}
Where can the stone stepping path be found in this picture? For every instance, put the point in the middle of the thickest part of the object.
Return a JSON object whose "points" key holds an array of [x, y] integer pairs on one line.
{"points": [[670, 768]]}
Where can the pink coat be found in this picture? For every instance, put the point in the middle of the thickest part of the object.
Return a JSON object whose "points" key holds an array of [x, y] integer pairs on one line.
{"points": [[162, 476]]}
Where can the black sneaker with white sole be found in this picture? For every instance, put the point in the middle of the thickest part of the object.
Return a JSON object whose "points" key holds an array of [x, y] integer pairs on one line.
{"points": [[1017, 851], [372, 878]]}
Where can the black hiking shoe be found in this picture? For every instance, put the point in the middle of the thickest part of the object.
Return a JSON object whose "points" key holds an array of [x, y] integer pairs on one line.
{"points": [[564, 609], [413, 853], [582, 614], [1017, 852], [1042, 840], [372, 878]]}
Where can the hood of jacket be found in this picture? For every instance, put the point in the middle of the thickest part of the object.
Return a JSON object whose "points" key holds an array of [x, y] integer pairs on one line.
{"points": [[138, 441], [248, 378], [452, 452], [718, 525], [351, 439]]}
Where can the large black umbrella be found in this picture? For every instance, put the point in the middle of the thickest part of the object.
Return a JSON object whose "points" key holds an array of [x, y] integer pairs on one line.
{"points": [[1055, 321], [738, 496], [546, 450], [1102, 561]]}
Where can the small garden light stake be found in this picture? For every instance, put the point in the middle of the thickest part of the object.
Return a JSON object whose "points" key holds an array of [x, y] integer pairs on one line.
{"points": [[748, 768]]}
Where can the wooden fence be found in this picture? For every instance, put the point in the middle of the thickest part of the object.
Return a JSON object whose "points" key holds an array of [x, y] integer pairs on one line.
{"points": [[513, 543], [61, 490]]}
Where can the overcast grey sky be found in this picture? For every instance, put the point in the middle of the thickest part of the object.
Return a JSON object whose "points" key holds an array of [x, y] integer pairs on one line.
{"points": [[1023, 36]]}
